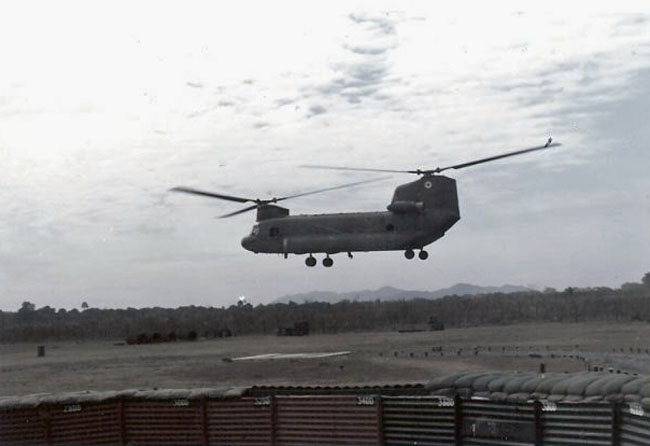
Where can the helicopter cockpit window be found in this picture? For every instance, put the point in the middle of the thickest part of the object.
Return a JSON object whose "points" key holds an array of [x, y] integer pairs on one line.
{"points": [[274, 231], [256, 230]]}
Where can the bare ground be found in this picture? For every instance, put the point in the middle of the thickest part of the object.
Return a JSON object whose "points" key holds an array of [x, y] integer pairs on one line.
{"points": [[376, 358]]}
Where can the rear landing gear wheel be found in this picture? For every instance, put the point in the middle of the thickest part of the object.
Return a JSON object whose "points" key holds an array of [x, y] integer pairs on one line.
{"points": [[310, 261], [423, 255], [327, 262], [409, 254]]}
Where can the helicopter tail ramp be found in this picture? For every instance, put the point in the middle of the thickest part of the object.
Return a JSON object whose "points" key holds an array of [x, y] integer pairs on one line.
{"points": [[466, 409]]}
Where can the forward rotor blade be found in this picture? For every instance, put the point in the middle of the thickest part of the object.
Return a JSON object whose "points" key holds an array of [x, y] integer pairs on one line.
{"points": [[548, 145], [189, 190], [356, 169], [241, 211], [342, 186]]}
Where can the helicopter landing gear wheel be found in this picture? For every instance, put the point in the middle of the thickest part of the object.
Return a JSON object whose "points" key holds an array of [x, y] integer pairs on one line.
{"points": [[327, 262], [423, 255], [409, 254], [310, 261]]}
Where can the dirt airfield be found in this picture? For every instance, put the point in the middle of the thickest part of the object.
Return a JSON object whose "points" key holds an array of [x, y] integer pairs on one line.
{"points": [[373, 358]]}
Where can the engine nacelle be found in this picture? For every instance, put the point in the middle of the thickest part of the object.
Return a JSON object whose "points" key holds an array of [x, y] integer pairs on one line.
{"points": [[267, 211], [405, 207]]}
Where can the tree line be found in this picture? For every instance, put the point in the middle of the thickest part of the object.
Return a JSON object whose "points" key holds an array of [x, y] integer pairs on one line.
{"points": [[630, 302]]}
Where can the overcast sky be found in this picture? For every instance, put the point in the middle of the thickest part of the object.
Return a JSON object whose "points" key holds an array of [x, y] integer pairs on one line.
{"points": [[104, 107]]}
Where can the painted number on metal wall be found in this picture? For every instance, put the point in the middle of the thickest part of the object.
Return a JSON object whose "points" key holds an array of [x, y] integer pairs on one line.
{"points": [[636, 409], [548, 406], [70, 408], [264, 401], [181, 402], [365, 400], [444, 401]]}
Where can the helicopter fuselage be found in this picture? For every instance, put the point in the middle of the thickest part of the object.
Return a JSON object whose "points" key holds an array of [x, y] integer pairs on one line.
{"points": [[348, 232], [419, 214]]}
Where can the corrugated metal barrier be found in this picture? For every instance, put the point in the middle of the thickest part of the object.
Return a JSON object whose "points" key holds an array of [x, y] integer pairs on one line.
{"points": [[177, 421], [418, 420], [87, 423], [23, 426], [322, 420], [584, 424], [332, 420], [241, 422], [485, 421], [635, 425]]}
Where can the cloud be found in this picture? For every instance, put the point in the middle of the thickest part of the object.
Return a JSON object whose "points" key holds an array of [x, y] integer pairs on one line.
{"points": [[202, 112], [380, 24], [365, 70], [354, 82], [315, 110], [194, 84], [221, 104], [261, 125], [281, 102], [367, 50], [631, 23]]}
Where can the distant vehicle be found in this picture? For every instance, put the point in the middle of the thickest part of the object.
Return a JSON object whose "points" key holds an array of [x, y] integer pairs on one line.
{"points": [[435, 324], [420, 213], [298, 329]]}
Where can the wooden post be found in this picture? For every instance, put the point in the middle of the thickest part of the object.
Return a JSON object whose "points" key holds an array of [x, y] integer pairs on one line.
{"points": [[539, 423], [120, 415], [274, 420], [616, 424], [458, 420], [48, 423], [204, 421], [380, 420], [123, 438]]}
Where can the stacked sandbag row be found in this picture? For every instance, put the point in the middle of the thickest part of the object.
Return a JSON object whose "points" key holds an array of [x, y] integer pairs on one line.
{"points": [[553, 387]]}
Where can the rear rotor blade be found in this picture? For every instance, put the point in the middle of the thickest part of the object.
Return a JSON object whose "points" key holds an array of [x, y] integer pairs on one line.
{"points": [[189, 190], [548, 145], [494, 158], [241, 211], [342, 186], [356, 169]]}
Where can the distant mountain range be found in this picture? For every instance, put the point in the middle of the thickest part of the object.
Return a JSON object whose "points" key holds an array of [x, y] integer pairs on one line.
{"points": [[390, 293]]}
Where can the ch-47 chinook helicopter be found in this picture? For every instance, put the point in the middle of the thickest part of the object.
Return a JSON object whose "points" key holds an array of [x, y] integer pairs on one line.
{"points": [[419, 214]]}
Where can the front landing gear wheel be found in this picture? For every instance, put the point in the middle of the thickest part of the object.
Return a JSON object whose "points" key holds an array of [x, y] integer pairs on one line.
{"points": [[423, 255], [409, 254], [310, 261], [327, 262]]}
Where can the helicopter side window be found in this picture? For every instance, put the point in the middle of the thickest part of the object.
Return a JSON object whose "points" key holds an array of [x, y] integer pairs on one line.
{"points": [[274, 231], [256, 230]]}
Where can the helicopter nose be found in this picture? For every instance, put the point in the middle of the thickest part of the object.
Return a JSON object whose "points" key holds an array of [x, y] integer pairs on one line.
{"points": [[247, 242]]}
